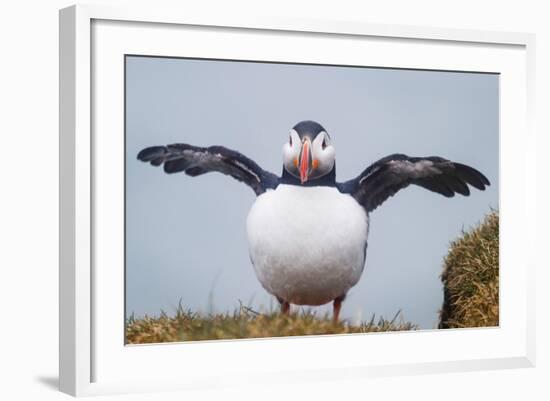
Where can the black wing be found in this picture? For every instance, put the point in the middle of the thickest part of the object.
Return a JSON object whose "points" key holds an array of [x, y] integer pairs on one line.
{"points": [[384, 178], [195, 161]]}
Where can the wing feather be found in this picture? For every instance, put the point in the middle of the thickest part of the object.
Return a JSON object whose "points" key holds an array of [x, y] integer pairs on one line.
{"points": [[195, 161], [387, 176]]}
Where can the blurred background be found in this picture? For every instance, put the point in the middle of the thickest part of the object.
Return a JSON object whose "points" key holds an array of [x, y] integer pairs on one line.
{"points": [[186, 237]]}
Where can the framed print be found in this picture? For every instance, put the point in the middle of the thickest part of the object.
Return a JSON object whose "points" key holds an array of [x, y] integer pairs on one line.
{"points": [[339, 199]]}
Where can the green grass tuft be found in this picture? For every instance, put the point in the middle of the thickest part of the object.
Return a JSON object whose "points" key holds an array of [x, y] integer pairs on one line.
{"points": [[246, 323], [471, 278]]}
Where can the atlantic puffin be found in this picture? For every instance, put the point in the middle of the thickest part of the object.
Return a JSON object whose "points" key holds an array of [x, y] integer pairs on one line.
{"points": [[307, 233]]}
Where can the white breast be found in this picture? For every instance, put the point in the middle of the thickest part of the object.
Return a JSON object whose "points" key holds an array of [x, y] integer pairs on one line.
{"points": [[307, 244]]}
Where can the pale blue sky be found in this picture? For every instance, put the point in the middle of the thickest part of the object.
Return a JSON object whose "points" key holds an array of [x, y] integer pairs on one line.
{"points": [[186, 237]]}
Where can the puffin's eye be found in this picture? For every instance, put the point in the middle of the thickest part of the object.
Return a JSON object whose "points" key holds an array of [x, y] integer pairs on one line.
{"points": [[290, 140], [326, 141]]}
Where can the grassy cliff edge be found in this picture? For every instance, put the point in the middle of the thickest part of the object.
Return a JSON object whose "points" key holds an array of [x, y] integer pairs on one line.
{"points": [[246, 323], [471, 278]]}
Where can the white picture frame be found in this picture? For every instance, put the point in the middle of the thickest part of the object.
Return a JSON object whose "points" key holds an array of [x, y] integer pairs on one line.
{"points": [[82, 344]]}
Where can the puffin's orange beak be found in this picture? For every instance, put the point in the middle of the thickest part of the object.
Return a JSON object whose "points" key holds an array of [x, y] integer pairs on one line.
{"points": [[304, 161]]}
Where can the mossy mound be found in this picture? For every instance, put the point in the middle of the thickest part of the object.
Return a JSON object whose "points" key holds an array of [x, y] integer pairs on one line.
{"points": [[471, 278]]}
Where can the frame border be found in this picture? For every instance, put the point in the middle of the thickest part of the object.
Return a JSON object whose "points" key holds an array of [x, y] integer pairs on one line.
{"points": [[75, 170]]}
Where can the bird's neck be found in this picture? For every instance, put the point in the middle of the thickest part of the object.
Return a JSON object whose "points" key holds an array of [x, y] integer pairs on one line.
{"points": [[328, 180]]}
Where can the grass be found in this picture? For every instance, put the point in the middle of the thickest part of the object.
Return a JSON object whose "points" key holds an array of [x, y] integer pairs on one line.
{"points": [[471, 278], [246, 323]]}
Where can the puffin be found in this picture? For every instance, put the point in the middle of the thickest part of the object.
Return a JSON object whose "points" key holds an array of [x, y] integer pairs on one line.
{"points": [[307, 233]]}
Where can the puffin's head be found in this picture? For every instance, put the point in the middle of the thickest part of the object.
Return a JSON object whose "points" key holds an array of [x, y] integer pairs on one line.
{"points": [[308, 154]]}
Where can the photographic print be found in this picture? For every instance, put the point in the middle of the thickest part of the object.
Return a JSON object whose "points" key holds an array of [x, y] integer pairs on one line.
{"points": [[271, 199]]}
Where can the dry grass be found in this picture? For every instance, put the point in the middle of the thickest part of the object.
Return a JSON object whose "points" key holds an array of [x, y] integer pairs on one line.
{"points": [[246, 323], [470, 278]]}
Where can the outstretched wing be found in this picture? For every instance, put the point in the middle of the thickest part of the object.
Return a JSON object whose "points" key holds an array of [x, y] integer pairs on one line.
{"points": [[194, 161], [384, 178]]}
